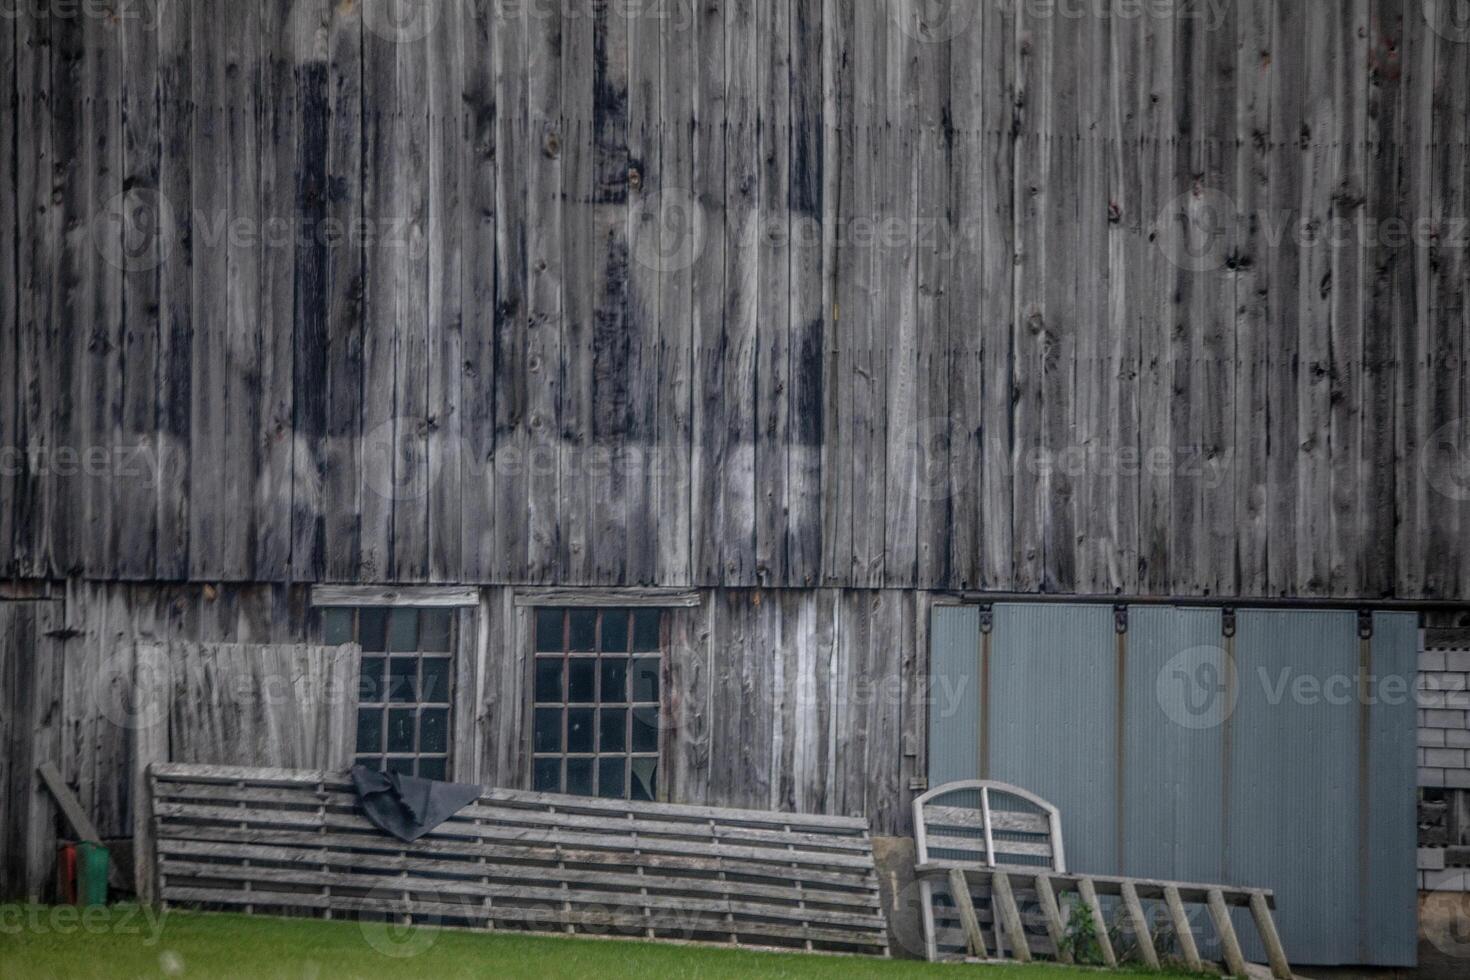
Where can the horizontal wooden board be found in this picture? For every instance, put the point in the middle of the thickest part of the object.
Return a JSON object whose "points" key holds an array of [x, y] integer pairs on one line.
{"points": [[293, 841]]}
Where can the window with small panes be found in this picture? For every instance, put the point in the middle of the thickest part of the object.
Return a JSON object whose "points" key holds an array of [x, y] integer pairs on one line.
{"points": [[596, 702], [406, 685]]}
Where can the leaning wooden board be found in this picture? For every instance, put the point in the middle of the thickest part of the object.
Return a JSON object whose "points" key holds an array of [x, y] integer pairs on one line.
{"points": [[294, 841]]}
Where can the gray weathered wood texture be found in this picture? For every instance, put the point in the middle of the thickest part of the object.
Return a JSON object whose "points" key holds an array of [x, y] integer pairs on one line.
{"points": [[802, 293], [276, 839], [30, 735]]}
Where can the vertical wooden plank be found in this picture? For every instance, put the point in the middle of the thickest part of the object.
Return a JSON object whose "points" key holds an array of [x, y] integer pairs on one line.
{"points": [[11, 438], [406, 234], [36, 252], [99, 327], [544, 277], [769, 237], [1444, 436], [1414, 390], [296, 344], [445, 257], [807, 282], [1266, 926], [959, 890], [290, 129], [176, 396], [136, 489], [863, 333], [707, 410], [1254, 281], [900, 330], [1010, 916], [464, 750], [151, 690], [478, 425], [1055, 929], [336, 723], [1088, 893], [207, 305], [840, 262], [645, 182], [1285, 181], [690, 705], [739, 310], [509, 33], [1220, 915], [240, 420], [1351, 244], [1390, 282]]}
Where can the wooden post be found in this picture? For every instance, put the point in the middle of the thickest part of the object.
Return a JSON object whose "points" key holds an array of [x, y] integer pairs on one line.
{"points": [[150, 744], [1182, 929], [1055, 928], [1088, 891], [1140, 925], [960, 890], [1266, 926], [1234, 959], [1005, 905]]}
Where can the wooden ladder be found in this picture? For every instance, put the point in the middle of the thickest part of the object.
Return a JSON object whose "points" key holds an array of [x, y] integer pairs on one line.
{"points": [[1010, 934]]}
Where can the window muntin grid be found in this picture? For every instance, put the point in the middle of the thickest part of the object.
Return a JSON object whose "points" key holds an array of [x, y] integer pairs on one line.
{"points": [[596, 686], [406, 684]]}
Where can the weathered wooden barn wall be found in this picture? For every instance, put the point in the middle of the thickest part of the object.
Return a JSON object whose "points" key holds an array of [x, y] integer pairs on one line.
{"points": [[385, 290], [803, 700], [30, 733]]}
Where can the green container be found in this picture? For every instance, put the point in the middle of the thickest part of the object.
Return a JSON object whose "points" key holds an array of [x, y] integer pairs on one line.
{"points": [[92, 866]]}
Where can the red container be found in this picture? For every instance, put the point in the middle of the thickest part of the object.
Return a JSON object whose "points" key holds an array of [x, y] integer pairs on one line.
{"points": [[66, 873]]}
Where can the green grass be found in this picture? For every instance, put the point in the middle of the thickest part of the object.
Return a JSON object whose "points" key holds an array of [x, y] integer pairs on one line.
{"points": [[125, 942]]}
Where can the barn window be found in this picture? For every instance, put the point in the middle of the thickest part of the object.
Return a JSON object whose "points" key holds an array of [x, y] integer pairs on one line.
{"points": [[595, 702], [406, 689]]}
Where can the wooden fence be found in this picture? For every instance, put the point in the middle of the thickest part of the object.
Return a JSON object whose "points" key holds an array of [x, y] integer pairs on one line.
{"points": [[295, 841]]}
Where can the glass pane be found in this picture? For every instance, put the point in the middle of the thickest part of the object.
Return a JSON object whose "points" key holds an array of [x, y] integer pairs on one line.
{"points": [[645, 729], [434, 630], [400, 729], [548, 680], [434, 730], [403, 630], [583, 632], [370, 730], [373, 762], [434, 685], [546, 777], [548, 631], [579, 731], [614, 679], [615, 630], [547, 730], [610, 778], [432, 768], [370, 686], [613, 723], [403, 679], [645, 679], [336, 626], [582, 681], [645, 629], [645, 779], [579, 777], [372, 625], [404, 766]]}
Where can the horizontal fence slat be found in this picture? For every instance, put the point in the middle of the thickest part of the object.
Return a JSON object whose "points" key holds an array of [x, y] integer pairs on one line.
{"points": [[297, 841]]}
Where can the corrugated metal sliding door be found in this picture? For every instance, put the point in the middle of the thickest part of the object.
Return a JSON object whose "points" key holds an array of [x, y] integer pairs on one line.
{"points": [[1177, 752]]}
